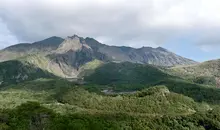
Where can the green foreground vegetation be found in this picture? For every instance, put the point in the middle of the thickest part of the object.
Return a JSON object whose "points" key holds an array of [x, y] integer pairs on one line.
{"points": [[57, 104], [32, 115]]}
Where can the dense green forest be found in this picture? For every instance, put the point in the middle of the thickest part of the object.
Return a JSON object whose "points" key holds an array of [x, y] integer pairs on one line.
{"points": [[58, 104], [126, 73], [32, 115]]}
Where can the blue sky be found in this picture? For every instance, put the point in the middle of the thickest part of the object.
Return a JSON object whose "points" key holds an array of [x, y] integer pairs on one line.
{"points": [[189, 28], [191, 51]]}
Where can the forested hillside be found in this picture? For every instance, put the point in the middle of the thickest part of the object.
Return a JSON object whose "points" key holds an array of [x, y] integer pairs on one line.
{"points": [[65, 105]]}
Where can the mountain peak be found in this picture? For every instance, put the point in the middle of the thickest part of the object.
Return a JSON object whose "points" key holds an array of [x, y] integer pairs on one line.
{"points": [[50, 40], [144, 47], [75, 37], [151, 48], [161, 49], [70, 43]]}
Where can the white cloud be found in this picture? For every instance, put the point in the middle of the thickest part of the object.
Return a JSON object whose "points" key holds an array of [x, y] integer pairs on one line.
{"points": [[6, 38], [119, 22]]}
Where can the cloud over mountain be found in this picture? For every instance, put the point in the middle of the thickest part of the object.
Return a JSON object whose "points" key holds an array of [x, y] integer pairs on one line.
{"points": [[120, 22]]}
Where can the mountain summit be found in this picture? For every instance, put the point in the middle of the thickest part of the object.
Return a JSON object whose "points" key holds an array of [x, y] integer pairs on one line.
{"points": [[72, 43]]}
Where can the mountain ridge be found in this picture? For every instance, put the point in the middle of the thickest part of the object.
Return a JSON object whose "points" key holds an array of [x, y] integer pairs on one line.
{"points": [[68, 55]]}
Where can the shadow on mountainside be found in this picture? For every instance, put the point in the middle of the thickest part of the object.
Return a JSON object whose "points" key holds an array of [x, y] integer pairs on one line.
{"points": [[14, 71], [130, 77]]}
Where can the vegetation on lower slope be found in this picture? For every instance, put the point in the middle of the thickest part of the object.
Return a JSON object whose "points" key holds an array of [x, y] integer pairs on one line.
{"points": [[200, 93], [64, 105], [36, 60], [32, 115], [126, 73], [50, 90], [15, 71], [89, 68], [58, 68], [208, 68], [44, 63], [8, 55], [119, 77], [203, 73], [153, 102]]}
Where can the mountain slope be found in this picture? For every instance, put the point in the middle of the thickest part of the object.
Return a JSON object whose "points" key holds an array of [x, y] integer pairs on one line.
{"points": [[126, 73], [208, 68], [74, 52], [15, 71], [66, 57], [146, 55], [153, 101], [48, 44], [41, 47], [205, 73], [44, 63]]}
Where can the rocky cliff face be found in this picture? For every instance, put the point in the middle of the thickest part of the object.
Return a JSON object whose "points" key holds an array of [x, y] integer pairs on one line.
{"points": [[73, 43], [72, 54]]}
